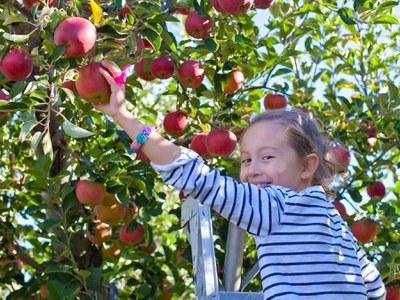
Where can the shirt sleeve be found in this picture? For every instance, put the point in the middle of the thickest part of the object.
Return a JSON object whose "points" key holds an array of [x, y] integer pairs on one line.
{"points": [[253, 209], [372, 279]]}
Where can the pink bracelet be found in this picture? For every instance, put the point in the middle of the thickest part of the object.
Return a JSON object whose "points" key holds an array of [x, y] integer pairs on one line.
{"points": [[142, 137]]}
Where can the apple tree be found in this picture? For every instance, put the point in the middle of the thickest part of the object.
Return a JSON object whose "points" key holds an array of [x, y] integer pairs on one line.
{"points": [[82, 217]]}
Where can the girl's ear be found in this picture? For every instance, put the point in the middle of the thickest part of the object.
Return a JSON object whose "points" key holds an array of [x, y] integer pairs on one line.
{"points": [[311, 163]]}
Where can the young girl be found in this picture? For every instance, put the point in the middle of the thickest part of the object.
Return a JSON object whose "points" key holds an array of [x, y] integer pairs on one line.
{"points": [[305, 250]]}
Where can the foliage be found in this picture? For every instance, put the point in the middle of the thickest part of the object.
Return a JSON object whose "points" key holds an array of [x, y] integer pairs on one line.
{"points": [[338, 60]]}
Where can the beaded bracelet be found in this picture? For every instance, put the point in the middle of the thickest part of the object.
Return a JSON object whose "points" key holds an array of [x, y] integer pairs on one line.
{"points": [[142, 137]]}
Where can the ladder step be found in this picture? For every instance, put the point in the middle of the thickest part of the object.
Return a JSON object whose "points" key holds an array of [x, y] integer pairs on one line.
{"points": [[240, 296]]}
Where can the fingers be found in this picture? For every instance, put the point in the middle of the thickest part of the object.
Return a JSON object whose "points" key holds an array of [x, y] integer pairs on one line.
{"points": [[111, 67], [107, 76]]}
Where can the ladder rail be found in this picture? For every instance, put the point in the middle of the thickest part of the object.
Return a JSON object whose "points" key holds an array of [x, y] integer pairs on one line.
{"points": [[196, 219]]}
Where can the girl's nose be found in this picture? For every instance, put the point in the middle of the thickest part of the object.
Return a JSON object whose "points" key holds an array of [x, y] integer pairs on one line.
{"points": [[254, 168]]}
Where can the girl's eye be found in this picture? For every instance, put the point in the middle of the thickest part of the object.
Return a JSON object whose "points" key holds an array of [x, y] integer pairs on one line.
{"points": [[246, 160], [267, 157]]}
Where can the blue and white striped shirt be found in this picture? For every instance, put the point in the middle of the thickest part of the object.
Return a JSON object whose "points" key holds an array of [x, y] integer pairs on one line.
{"points": [[305, 249]]}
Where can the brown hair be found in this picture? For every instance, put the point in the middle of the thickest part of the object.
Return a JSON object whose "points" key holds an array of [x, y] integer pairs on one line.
{"points": [[306, 137]]}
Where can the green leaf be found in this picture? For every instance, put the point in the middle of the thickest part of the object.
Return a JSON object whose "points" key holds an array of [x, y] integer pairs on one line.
{"points": [[18, 88], [75, 131], [29, 119], [385, 20], [16, 38], [12, 106], [14, 19], [347, 15], [355, 195], [164, 18], [57, 53], [36, 140], [47, 145], [211, 44]]}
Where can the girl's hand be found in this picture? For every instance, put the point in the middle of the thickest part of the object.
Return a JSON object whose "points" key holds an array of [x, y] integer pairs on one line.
{"points": [[116, 106]]}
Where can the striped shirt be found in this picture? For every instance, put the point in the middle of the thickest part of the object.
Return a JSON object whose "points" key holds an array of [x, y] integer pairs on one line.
{"points": [[305, 249]]}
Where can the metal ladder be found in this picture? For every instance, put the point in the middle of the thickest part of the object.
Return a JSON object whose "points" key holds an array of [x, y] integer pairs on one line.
{"points": [[196, 219]]}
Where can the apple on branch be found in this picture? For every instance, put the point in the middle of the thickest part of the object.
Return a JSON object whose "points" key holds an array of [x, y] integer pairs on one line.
{"points": [[365, 230], [91, 85], [112, 214], [131, 237], [162, 67], [99, 232], [89, 192], [175, 123], [340, 208], [217, 7], [263, 4], [376, 189], [221, 142], [77, 34], [198, 144], [275, 101], [234, 82], [143, 69], [235, 7], [17, 64], [198, 26], [191, 74], [339, 157]]}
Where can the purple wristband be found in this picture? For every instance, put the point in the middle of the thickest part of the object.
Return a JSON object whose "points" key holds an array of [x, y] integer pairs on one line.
{"points": [[142, 137]]}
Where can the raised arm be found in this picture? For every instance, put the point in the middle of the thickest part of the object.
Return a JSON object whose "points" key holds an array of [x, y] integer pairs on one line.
{"points": [[158, 149]]}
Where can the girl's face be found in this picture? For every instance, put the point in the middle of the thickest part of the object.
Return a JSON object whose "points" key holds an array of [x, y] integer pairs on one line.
{"points": [[267, 158]]}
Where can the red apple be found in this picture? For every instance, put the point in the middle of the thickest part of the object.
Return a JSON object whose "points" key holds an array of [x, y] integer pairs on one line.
{"points": [[17, 64], [70, 84], [143, 69], [198, 144], [44, 290], [371, 129], [147, 44], [198, 26], [150, 248], [234, 82], [191, 74], [182, 10], [274, 101], [376, 189], [339, 156], [133, 237], [365, 230], [235, 7], [261, 4], [216, 5], [126, 10], [340, 208], [181, 196], [90, 192], [175, 122], [111, 214], [221, 142], [99, 232], [29, 3], [392, 293], [3, 98], [162, 67], [91, 85], [77, 34]]}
